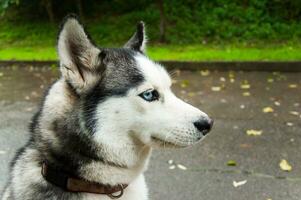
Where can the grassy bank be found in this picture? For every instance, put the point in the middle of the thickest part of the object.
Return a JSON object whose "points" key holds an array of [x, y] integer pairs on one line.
{"points": [[36, 41], [270, 52]]}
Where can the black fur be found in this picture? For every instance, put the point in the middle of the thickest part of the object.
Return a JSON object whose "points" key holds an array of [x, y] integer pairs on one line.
{"points": [[137, 40], [121, 75]]}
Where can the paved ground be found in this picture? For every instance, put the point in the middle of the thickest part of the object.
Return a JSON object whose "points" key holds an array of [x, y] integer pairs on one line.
{"points": [[207, 176]]}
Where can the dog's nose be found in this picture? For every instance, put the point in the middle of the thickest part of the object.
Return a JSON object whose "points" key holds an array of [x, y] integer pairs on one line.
{"points": [[204, 125]]}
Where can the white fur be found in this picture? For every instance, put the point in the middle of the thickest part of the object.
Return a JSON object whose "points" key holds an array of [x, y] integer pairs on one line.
{"points": [[128, 124]]}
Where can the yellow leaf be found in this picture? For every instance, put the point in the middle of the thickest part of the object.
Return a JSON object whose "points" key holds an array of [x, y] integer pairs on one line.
{"points": [[253, 132], [246, 94], [267, 110], [184, 83], [294, 113], [285, 166], [270, 80], [191, 94], [231, 74], [231, 163], [245, 86], [216, 88], [205, 72], [292, 85]]}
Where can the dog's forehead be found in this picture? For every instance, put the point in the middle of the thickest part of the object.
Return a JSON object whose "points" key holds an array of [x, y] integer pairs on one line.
{"points": [[121, 69], [127, 67], [153, 73]]}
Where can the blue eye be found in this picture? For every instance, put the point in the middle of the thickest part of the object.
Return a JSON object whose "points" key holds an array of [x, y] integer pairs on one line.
{"points": [[150, 95]]}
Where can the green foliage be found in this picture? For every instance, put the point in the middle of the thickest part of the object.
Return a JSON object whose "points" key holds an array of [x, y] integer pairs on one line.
{"points": [[4, 4], [188, 21], [215, 20]]}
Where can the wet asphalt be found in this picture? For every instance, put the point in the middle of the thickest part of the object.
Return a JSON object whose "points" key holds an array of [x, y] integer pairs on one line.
{"points": [[235, 100]]}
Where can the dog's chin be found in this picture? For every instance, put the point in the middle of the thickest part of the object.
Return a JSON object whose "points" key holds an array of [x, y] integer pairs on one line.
{"points": [[161, 143]]}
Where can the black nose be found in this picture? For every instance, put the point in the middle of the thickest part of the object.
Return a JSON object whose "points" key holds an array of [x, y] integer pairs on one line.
{"points": [[204, 125]]}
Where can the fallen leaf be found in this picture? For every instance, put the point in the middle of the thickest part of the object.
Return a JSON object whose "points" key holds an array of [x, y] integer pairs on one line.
{"points": [[191, 94], [294, 113], [270, 80], [184, 83], [267, 110], [285, 166], [182, 167], [231, 74], [239, 183], [223, 79], [253, 132], [245, 86], [246, 94], [231, 163], [216, 88], [172, 167], [205, 72], [292, 85], [289, 124]]}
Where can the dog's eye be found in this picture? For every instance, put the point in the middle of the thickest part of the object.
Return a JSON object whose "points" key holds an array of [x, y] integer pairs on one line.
{"points": [[150, 95]]}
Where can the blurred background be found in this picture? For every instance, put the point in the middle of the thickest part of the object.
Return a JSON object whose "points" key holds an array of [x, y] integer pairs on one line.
{"points": [[237, 60], [199, 30]]}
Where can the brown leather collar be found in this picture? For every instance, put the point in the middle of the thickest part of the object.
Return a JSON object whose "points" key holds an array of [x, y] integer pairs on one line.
{"points": [[72, 184]]}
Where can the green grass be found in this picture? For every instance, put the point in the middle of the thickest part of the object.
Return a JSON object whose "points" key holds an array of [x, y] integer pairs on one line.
{"points": [[36, 41], [172, 52]]}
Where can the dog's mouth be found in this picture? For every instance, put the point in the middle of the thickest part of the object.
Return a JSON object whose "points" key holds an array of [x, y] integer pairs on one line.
{"points": [[165, 143]]}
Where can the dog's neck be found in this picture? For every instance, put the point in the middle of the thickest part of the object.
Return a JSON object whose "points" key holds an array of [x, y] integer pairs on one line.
{"points": [[100, 171], [75, 152]]}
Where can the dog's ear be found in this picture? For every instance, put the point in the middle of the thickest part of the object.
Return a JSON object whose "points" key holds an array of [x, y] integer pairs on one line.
{"points": [[138, 40], [79, 57]]}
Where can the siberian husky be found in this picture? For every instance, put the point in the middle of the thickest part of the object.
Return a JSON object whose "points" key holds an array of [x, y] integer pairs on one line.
{"points": [[93, 135]]}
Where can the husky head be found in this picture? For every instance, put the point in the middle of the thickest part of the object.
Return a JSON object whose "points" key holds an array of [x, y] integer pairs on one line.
{"points": [[125, 98]]}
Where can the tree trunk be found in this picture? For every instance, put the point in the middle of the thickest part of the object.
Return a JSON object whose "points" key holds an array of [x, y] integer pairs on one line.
{"points": [[48, 6], [162, 25], [80, 9]]}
